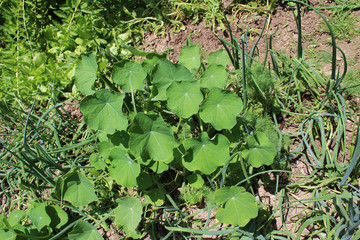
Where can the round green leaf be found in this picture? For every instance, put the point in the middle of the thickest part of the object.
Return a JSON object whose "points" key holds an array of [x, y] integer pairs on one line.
{"points": [[150, 138], [165, 74], [221, 108], [204, 154], [84, 231], [103, 111], [85, 73], [190, 57], [77, 189], [39, 216], [155, 197], [15, 217], [238, 208], [123, 169], [128, 213], [220, 57], [259, 150], [214, 76], [129, 75], [184, 98]]}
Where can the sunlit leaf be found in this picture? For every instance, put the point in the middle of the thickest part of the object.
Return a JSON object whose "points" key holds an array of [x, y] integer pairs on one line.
{"points": [[155, 197], [259, 150], [84, 231], [123, 169], [85, 74], [238, 207], [15, 217], [214, 76], [165, 74], [39, 217], [184, 98], [195, 180], [77, 189], [128, 213], [204, 154], [129, 75], [7, 235], [151, 138], [220, 57], [103, 111], [221, 108], [190, 57]]}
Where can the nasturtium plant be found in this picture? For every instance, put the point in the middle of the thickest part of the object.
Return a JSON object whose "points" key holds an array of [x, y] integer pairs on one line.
{"points": [[151, 138], [259, 150], [195, 180], [237, 206], [76, 189], [221, 108], [214, 76], [85, 74], [84, 231], [6, 234], [129, 75], [204, 154], [220, 57], [103, 111], [123, 169], [58, 216], [165, 74], [15, 217], [190, 57], [128, 213], [184, 98]]}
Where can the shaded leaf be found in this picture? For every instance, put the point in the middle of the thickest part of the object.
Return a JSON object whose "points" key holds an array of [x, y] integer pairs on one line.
{"points": [[214, 76], [204, 154], [84, 231], [195, 180], [238, 208], [259, 150], [190, 57], [123, 169], [221, 108], [58, 216], [85, 74], [151, 138], [165, 74], [129, 75], [103, 111], [155, 197], [184, 98]]}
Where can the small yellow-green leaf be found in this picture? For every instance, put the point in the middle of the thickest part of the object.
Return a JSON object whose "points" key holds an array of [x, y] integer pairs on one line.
{"points": [[219, 57], [128, 213], [190, 57], [84, 231]]}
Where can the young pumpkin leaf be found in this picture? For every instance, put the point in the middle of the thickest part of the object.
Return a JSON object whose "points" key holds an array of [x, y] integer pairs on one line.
{"points": [[123, 169], [77, 189], [84, 231], [129, 75], [39, 216], [85, 74], [221, 108], [128, 213], [190, 57], [220, 57], [150, 138], [184, 98], [165, 74], [214, 76], [238, 206], [204, 154], [259, 150], [58, 216], [103, 111]]}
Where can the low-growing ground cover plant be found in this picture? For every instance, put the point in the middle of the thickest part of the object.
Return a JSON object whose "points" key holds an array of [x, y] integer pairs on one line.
{"points": [[158, 137]]}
